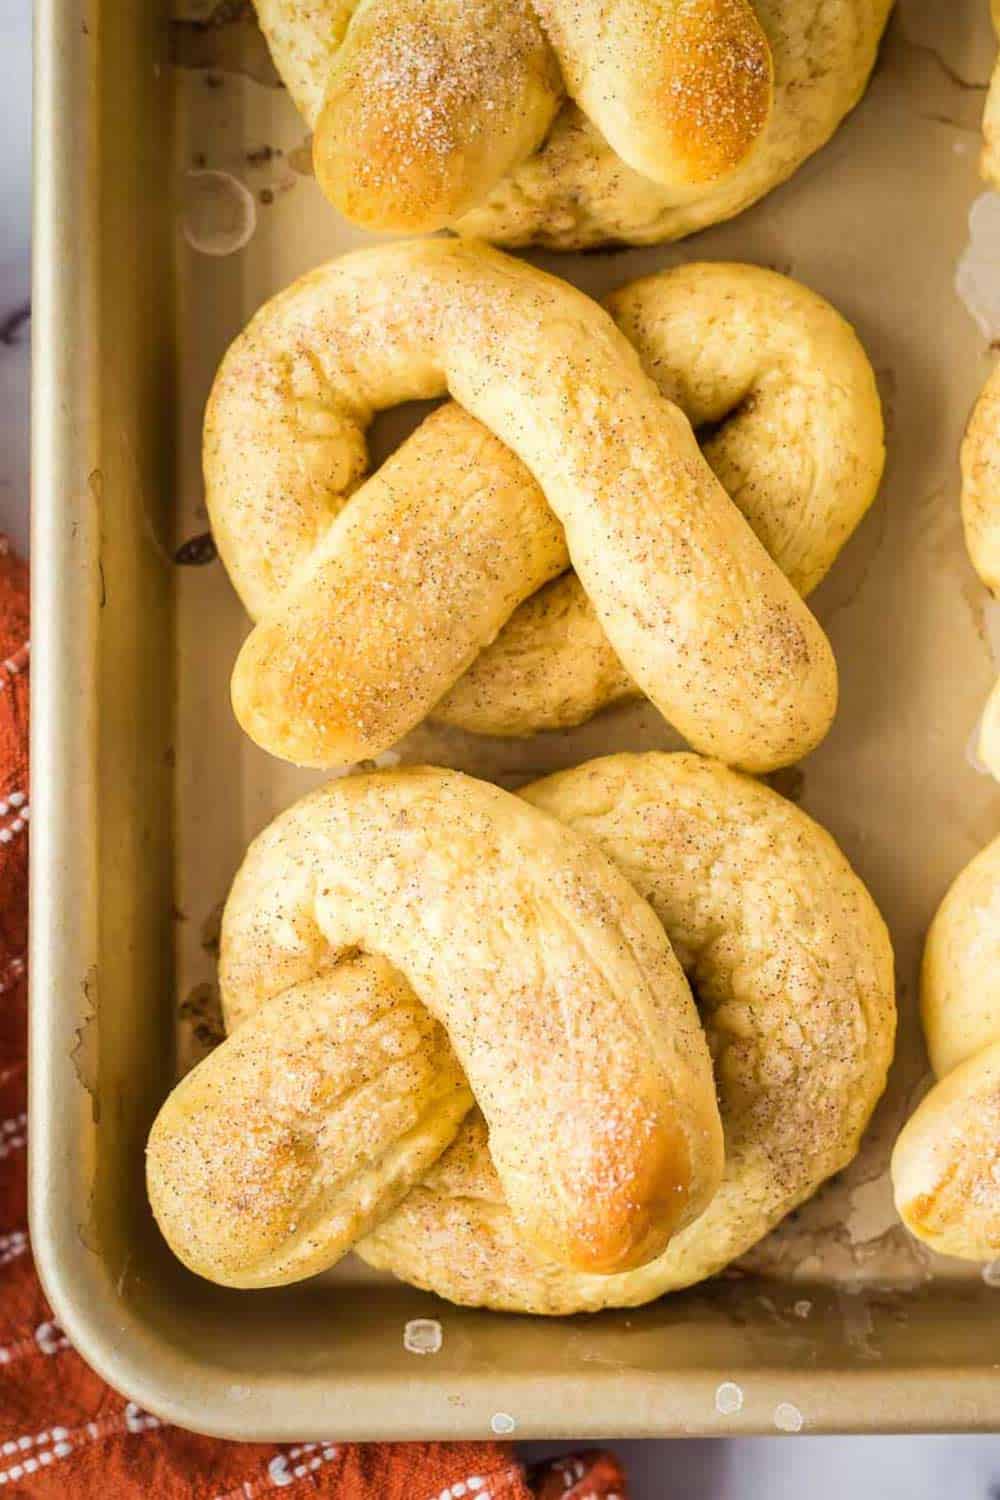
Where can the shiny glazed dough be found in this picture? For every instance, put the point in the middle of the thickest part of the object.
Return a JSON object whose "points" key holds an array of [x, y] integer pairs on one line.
{"points": [[368, 612], [946, 1164], [455, 111], [551, 979]]}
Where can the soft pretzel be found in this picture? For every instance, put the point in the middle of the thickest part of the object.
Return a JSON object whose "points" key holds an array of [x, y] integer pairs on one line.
{"points": [[368, 616], [567, 122], [554, 983], [946, 1164], [789, 960], [981, 517], [782, 388]]}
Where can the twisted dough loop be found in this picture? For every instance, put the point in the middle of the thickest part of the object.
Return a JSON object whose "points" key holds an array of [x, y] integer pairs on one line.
{"points": [[980, 459], [946, 1163], [789, 959], [786, 398], [635, 170], [703, 620], [428, 104], [557, 989]]}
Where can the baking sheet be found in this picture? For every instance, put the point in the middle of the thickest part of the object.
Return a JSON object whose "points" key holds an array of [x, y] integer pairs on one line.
{"points": [[146, 792]]}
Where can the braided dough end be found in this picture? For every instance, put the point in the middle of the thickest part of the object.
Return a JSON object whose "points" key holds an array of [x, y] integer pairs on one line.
{"points": [[291, 1139], [428, 104], [793, 970], [680, 92]]}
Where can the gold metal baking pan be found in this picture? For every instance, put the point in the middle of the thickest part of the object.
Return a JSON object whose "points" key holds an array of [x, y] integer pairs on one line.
{"points": [[145, 793]]}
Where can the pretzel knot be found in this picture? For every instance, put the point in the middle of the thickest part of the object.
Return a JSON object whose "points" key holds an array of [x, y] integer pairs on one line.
{"points": [[946, 1163], [373, 599], [400, 944], [566, 121]]}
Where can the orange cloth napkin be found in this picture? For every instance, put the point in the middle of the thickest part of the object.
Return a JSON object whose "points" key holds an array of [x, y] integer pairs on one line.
{"points": [[63, 1432]]}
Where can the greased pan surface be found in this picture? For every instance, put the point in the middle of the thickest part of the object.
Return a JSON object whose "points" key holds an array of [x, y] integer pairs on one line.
{"points": [[146, 793]]}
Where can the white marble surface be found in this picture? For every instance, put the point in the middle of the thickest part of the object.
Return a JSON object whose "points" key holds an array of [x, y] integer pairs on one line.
{"points": [[15, 217], [802, 1468], [927, 1468]]}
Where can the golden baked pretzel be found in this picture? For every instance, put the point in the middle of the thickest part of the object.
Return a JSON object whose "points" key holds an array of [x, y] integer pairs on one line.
{"points": [[980, 460], [559, 994], [319, 1121], [368, 612], [946, 1164], [566, 122]]}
